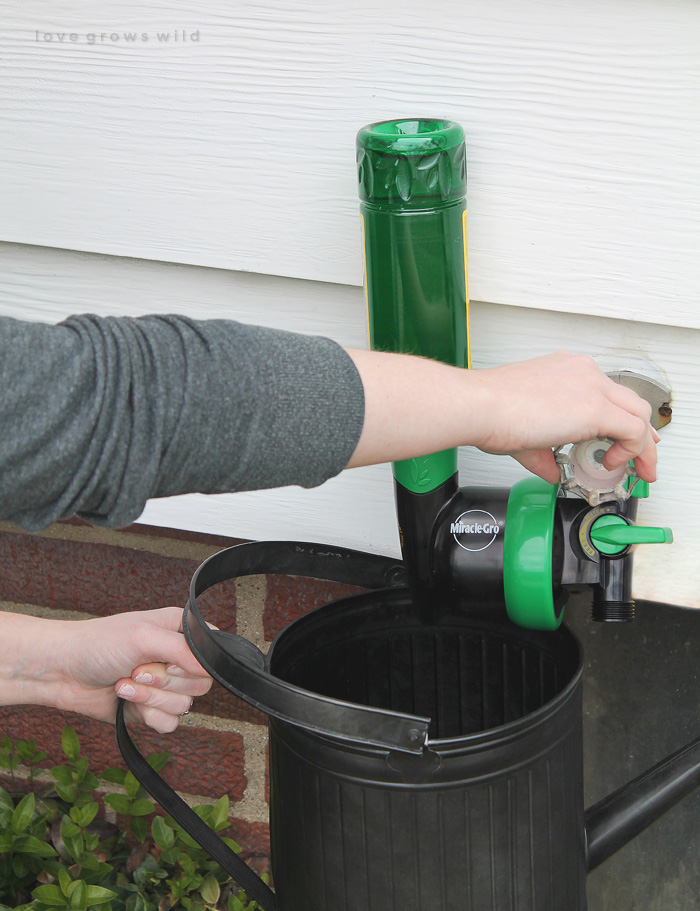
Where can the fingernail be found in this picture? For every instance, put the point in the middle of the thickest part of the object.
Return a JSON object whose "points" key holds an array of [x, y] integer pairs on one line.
{"points": [[175, 671], [143, 677], [126, 690]]}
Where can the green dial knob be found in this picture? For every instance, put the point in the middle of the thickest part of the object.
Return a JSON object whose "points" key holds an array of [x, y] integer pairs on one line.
{"points": [[611, 535]]}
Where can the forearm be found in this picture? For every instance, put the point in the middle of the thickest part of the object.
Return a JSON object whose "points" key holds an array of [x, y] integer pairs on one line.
{"points": [[30, 672], [414, 406]]}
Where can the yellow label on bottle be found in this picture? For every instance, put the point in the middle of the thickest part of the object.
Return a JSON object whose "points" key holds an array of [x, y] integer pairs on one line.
{"points": [[364, 266], [466, 286]]}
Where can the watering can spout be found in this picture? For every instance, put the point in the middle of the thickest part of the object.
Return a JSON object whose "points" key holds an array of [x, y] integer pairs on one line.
{"points": [[619, 817]]}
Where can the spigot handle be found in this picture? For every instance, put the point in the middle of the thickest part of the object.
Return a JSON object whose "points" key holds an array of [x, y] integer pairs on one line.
{"points": [[611, 534]]}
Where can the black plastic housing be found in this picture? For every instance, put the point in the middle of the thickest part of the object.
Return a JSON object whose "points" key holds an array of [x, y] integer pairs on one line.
{"points": [[443, 564]]}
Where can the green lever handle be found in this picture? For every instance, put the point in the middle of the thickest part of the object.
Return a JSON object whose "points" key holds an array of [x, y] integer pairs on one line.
{"points": [[633, 534], [611, 534]]}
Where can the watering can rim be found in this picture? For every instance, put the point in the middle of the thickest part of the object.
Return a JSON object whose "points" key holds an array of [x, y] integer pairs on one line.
{"points": [[477, 739], [241, 668]]}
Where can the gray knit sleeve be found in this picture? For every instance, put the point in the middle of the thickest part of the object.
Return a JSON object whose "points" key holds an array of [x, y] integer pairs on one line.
{"points": [[97, 415]]}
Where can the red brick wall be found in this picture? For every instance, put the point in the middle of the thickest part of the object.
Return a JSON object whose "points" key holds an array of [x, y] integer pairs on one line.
{"points": [[221, 746]]}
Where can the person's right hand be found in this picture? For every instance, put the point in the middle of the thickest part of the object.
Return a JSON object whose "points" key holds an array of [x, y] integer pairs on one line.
{"points": [[564, 398]]}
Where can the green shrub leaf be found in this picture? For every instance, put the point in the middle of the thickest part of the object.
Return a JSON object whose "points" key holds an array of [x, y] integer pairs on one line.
{"points": [[210, 889], [66, 792], [68, 828], [70, 743], [98, 895], [142, 807], [20, 867], [163, 835], [72, 838], [50, 895], [219, 817], [81, 767], [23, 813], [89, 782], [89, 812], [203, 810], [30, 844], [89, 862], [63, 774], [131, 785], [78, 895], [120, 803], [158, 760], [186, 839], [64, 880], [6, 800], [136, 903], [113, 775], [83, 816], [139, 827], [26, 749]]}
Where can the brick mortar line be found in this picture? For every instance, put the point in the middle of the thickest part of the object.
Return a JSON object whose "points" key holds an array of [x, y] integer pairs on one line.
{"points": [[165, 547], [251, 592], [254, 807], [43, 776], [40, 610], [216, 723]]}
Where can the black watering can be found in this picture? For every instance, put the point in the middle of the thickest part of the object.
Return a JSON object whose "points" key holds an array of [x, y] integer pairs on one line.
{"points": [[415, 762]]}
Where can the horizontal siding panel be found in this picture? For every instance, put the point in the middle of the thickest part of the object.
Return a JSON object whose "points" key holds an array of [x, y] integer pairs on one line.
{"points": [[235, 149], [356, 509], [39, 283]]}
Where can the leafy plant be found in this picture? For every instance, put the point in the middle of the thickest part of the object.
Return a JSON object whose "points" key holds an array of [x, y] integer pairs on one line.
{"points": [[57, 853]]}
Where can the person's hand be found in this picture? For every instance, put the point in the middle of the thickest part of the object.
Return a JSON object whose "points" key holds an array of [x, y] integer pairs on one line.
{"points": [[564, 398], [140, 656]]}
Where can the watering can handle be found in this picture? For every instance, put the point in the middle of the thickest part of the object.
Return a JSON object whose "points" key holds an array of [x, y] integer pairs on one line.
{"points": [[239, 666], [173, 804]]}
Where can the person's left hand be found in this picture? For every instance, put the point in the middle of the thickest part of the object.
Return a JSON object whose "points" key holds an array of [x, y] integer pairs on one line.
{"points": [[140, 656]]}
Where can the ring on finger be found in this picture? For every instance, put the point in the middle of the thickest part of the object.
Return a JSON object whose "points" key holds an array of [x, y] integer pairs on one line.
{"points": [[187, 710]]}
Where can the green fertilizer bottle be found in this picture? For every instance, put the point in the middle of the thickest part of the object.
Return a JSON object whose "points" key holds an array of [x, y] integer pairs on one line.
{"points": [[412, 185]]}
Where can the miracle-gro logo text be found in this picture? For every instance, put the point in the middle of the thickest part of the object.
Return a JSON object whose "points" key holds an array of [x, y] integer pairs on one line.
{"points": [[475, 529], [459, 528]]}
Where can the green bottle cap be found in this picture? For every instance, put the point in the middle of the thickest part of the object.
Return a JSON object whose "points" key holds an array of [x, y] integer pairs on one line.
{"points": [[411, 163]]}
